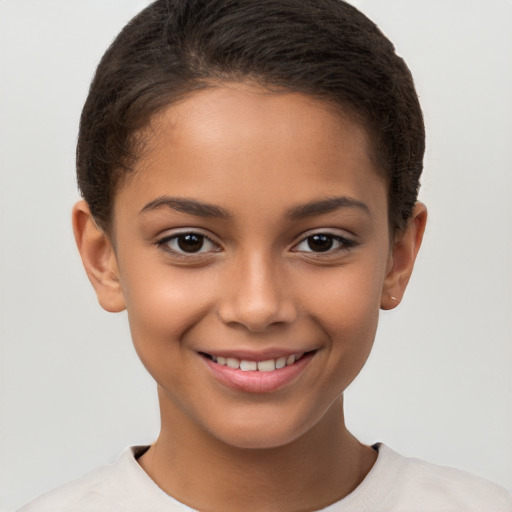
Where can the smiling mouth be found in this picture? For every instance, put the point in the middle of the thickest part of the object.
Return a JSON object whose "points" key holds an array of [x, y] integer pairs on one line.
{"points": [[268, 365]]}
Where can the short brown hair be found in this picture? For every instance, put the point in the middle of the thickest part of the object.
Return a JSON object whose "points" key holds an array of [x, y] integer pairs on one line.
{"points": [[325, 48]]}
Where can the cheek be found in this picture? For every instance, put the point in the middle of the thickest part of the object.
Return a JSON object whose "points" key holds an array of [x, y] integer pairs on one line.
{"points": [[349, 298], [347, 309], [161, 307], [351, 320]]}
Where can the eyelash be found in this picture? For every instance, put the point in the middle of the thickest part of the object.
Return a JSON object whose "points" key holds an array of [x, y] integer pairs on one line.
{"points": [[165, 244], [343, 244]]}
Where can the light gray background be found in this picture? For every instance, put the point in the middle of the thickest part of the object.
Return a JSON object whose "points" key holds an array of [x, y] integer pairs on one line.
{"points": [[438, 384]]}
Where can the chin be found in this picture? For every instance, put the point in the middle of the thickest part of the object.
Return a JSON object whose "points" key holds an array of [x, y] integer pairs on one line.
{"points": [[263, 433], [258, 439]]}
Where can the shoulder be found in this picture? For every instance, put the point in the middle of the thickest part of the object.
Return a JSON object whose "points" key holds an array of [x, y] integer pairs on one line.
{"points": [[119, 487], [429, 487], [83, 494]]}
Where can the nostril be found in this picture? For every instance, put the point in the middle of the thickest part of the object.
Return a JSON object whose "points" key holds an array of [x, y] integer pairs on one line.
{"points": [[257, 317], [257, 299]]}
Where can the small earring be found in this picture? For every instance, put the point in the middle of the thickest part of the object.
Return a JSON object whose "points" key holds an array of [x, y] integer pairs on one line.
{"points": [[393, 298]]}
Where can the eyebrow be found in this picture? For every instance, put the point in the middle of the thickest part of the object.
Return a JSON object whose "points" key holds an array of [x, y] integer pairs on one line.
{"points": [[190, 206], [206, 210], [323, 206]]}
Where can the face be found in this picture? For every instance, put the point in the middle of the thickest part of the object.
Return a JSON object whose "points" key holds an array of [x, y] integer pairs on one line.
{"points": [[252, 248]]}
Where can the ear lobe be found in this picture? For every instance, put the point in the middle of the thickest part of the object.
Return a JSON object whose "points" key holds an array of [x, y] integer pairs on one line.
{"points": [[98, 258], [402, 258]]}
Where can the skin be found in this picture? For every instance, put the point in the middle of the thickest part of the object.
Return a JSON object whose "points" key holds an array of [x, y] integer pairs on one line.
{"points": [[259, 285]]}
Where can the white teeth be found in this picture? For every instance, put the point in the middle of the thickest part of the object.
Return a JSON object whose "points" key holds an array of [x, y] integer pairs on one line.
{"points": [[290, 360], [280, 363], [233, 363], [262, 366], [266, 366], [248, 366]]}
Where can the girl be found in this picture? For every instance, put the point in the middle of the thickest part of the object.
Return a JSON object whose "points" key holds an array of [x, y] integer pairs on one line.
{"points": [[250, 174]]}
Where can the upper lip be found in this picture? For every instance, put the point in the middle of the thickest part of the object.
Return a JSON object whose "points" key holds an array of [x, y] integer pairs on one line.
{"points": [[260, 355]]}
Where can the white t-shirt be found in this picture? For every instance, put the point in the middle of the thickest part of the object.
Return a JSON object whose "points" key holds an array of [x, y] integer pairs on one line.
{"points": [[394, 484]]}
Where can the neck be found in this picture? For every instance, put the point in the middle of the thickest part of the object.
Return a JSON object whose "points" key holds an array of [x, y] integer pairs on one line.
{"points": [[313, 471]]}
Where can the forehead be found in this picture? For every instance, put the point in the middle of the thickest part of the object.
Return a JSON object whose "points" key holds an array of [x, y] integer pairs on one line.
{"points": [[242, 144]]}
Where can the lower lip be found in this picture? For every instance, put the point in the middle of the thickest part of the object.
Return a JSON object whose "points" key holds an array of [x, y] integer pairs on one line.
{"points": [[256, 381]]}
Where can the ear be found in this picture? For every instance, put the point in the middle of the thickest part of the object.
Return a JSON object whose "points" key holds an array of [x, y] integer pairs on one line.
{"points": [[402, 257], [98, 258]]}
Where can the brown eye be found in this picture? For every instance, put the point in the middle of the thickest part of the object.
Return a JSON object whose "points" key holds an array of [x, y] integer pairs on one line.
{"points": [[190, 242], [320, 242]]}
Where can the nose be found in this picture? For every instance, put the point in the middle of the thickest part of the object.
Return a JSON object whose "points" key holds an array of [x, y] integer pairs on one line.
{"points": [[257, 295]]}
